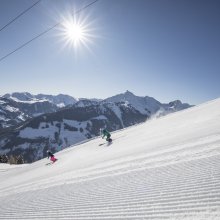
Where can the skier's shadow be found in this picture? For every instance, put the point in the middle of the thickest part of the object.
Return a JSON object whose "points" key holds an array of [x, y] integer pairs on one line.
{"points": [[106, 143]]}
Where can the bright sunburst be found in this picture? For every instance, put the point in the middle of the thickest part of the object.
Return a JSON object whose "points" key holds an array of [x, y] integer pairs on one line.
{"points": [[76, 32]]}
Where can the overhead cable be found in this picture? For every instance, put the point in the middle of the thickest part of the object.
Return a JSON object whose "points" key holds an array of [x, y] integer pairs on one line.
{"points": [[44, 32], [19, 15]]}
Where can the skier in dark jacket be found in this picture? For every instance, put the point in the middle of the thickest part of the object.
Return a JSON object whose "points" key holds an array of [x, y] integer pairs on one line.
{"points": [[52, 157], [104, 133]]}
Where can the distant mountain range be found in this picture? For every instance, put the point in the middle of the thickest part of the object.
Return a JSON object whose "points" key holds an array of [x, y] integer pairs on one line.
{"points": [[30, 124], [18, 107], [25, 97]]}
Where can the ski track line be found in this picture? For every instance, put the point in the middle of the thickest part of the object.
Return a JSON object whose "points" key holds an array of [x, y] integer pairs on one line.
{"points": [[103, 173], [126, 192], [152, 161]]}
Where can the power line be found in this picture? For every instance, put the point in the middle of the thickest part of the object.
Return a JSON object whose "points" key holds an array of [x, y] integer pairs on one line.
{"points": [[23, 45], [44, 32], [19, 15]]}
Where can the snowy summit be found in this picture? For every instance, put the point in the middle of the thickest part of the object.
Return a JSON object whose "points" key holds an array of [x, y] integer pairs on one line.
{"points": [[168, 168]]}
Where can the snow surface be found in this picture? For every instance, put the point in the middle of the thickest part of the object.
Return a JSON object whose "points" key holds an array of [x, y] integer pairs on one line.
{"points": [[11, 109], [117, 112], [32, 101], [47, 130], [61, 105], [2, 102], [21, 117], [3, 118], [167, 168], [41, 132]]}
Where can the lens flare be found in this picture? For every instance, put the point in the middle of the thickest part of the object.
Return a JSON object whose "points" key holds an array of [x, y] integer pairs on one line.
{"points": [[76, 32]]}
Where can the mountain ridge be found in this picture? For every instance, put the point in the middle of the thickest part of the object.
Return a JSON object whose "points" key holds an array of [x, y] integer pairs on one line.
{"points": [[33, 105]]}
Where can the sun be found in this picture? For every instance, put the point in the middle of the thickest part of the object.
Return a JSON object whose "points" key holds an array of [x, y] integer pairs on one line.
{"points": [[76, 32]]}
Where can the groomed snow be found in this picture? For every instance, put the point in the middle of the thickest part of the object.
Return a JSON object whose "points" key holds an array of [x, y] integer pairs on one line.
{"points": [[167, 168]]}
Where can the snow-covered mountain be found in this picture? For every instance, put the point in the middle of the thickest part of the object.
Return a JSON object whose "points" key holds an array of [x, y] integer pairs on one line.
{"points": [[20, 97], [29, 106], [18, 107], [168, 168], [148, 105], [145, 105], [10, 113], [13, 112], [59, 100]]}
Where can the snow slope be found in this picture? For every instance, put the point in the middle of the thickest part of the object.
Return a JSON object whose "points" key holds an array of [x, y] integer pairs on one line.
{"points": [[167, 168]]}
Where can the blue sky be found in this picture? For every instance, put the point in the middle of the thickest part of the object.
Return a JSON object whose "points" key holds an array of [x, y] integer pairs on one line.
{"points": [[167, 49]]}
